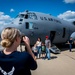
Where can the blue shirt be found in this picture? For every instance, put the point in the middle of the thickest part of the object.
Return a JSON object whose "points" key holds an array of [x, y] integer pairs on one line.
{"points": [[17, 63]]}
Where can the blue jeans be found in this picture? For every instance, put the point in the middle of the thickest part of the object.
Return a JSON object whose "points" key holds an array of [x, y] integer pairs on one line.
{"points": [[48, 53], [70, 47], [39, 50]]}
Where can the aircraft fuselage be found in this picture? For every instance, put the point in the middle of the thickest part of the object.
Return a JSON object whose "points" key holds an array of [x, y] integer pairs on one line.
{"points": [[34, 25]]}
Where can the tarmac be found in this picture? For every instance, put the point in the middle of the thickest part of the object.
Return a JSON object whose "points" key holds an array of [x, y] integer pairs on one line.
{"points": [[59, 64]]}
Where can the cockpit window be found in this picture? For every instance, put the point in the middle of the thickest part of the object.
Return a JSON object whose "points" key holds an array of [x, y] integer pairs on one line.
{"points": [[28, 16], [21, 20], [21, 15], [32, 16]]}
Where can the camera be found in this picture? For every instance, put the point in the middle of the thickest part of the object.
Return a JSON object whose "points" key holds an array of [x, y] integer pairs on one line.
{"points": [[22, 35]]}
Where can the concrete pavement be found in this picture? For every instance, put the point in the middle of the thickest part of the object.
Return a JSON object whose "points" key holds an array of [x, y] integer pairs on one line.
{"points": [[60, 64]]}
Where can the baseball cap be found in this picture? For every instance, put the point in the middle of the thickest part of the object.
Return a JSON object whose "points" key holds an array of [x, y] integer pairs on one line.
{"points": [[46, 36]]}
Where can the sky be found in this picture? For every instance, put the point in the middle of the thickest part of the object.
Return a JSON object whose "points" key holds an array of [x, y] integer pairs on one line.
{"points": [[9, 9]]}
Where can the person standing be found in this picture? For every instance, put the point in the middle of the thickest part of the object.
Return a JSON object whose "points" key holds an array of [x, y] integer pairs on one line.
{"points": [[13, 62], [38, 46], [43, 50], [48, 45], [70, 43]]}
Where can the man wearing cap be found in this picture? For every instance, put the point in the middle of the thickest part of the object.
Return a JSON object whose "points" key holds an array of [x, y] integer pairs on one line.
{"points": [[48, 45]]}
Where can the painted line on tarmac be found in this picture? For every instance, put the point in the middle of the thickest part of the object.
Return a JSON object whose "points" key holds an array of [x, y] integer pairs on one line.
{"points": [[69, 56]]}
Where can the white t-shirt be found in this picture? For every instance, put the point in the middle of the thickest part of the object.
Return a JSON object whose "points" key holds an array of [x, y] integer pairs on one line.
{"points": [[38, 43]]}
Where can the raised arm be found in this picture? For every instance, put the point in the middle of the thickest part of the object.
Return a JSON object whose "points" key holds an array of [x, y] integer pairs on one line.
{"points": [[27, 44]]}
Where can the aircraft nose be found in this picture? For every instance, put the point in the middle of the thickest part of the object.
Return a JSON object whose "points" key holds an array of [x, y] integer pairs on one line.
{"points": [[1, 28]]}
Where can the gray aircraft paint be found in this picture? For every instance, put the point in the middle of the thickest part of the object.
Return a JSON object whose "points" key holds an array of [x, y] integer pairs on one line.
{"points": [[61, 29]]}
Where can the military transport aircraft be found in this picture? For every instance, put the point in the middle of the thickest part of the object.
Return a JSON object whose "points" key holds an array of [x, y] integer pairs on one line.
{"points": [[37, 24]]}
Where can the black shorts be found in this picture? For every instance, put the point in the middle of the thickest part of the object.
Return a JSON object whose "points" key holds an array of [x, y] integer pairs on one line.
{"points": [[43, 52]]}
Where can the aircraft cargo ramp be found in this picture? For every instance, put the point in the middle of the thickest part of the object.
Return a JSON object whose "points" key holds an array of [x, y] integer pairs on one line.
{"points": [[55, 50]]}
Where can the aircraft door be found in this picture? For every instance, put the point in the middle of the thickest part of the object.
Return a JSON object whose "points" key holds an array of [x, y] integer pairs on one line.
{"points": [[52, 35], [29, 27], [32, 29]]}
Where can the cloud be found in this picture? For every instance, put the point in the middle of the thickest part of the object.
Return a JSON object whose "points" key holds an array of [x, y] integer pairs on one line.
{"points": [[68, 15], [69, 1], [1, 13], [5, 19], [12, 10]]}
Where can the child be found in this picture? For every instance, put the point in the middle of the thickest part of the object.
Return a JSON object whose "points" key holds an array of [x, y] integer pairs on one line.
{"points": [[34, 50], [43, 50]]}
